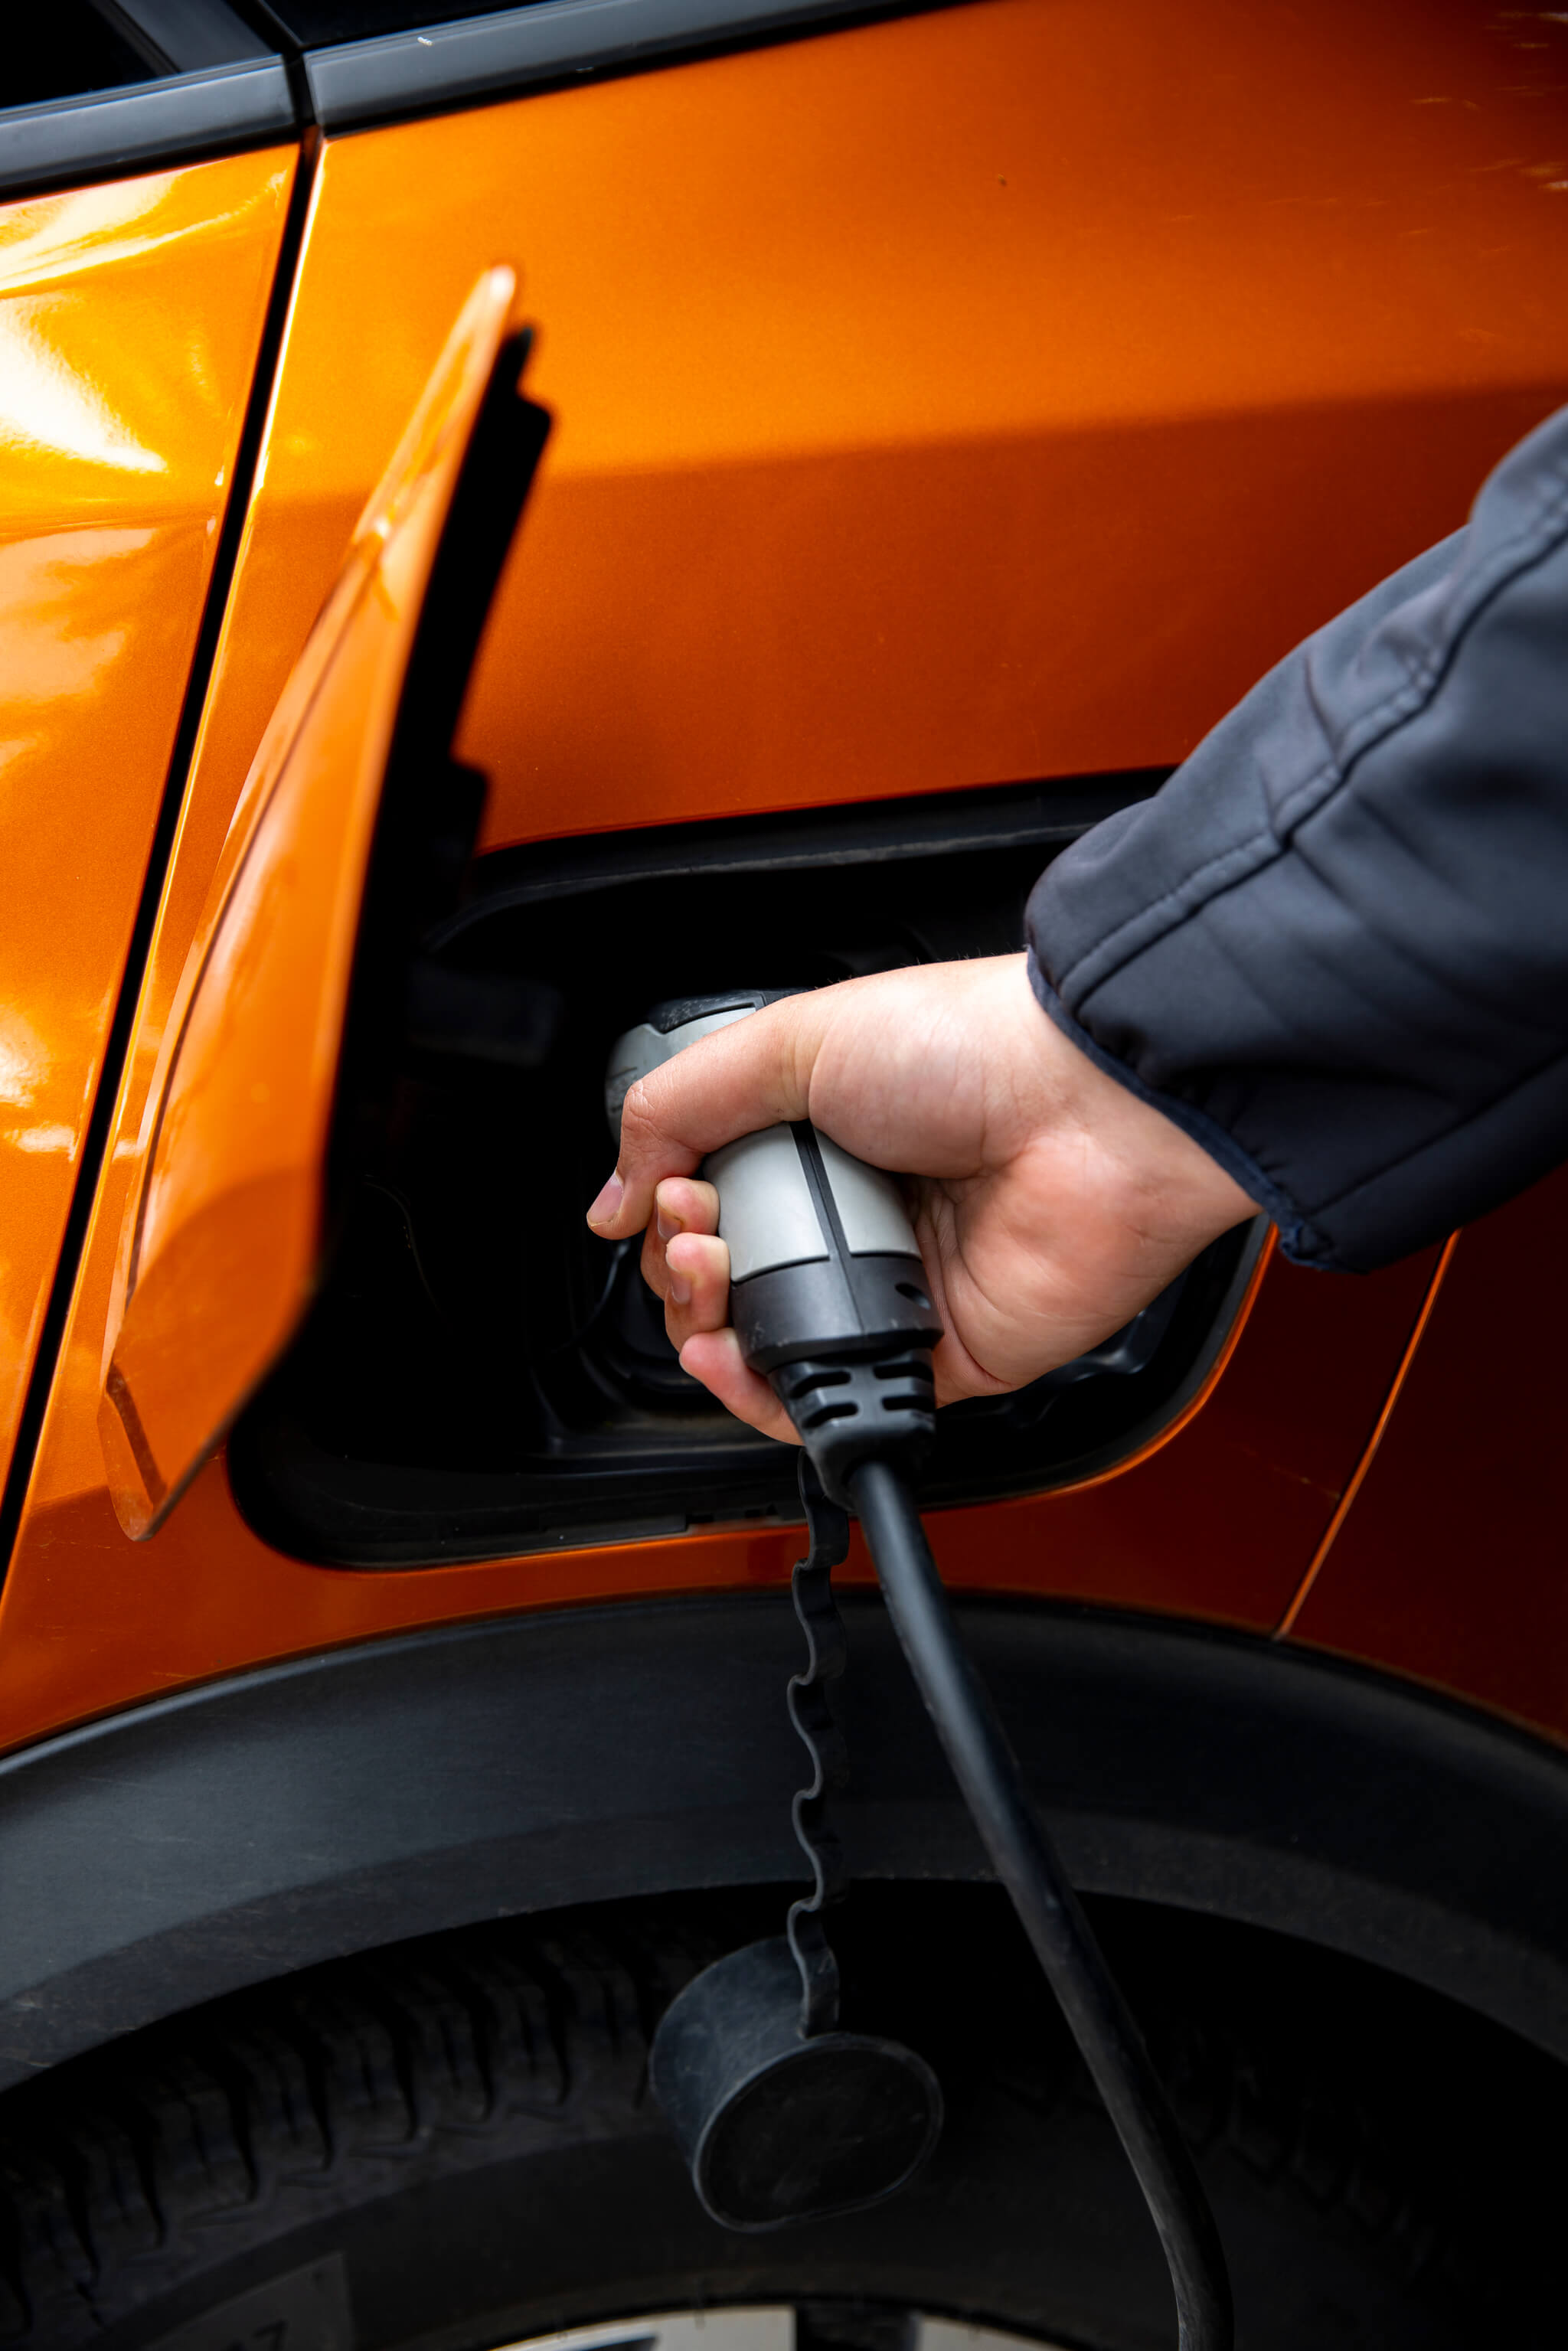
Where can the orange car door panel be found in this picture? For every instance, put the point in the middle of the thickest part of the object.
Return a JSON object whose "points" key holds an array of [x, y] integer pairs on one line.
{"points": [[224, 1239]]}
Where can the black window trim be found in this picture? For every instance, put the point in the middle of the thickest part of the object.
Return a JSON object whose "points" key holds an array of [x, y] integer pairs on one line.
{"points": [[108, 133], [483, 58], [234, 93]]}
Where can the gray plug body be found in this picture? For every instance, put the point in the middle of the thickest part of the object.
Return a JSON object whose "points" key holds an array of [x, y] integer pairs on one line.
{"points": [[827, 1294]]}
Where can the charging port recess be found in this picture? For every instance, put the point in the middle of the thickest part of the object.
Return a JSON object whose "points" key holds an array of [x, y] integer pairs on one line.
{"points": [[479, 1377]]}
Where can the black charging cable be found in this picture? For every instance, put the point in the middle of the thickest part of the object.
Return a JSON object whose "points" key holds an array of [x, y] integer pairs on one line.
{"points": [[1021, 1852], [829, 1301]]}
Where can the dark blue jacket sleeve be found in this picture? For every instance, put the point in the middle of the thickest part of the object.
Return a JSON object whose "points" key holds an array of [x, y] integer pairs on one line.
{"points": [[1335, 947]]}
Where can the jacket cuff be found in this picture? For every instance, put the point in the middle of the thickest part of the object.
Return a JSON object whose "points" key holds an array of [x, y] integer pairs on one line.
{"points": [[1300, 1240]]}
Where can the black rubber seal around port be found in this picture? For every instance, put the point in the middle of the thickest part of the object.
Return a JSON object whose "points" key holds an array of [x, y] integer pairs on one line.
{"points": [[1044, 813]]}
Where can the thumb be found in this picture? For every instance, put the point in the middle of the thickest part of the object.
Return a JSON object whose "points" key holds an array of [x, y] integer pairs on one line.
{"points": [[755, 1073]]}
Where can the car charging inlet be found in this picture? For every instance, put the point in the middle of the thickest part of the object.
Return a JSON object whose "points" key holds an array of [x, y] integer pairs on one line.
{"points": [[781, 2116]]}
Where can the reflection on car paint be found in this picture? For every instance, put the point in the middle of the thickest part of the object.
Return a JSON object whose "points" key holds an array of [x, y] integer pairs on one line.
{"points": [[128, 322]]}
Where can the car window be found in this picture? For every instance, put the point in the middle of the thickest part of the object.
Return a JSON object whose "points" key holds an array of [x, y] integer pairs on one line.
{"points": [[96, 89], [102, 87], [315, 24], [66, 46]]}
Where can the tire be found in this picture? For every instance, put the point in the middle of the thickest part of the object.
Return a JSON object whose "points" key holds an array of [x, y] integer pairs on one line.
{"points": [[449, 2145]]}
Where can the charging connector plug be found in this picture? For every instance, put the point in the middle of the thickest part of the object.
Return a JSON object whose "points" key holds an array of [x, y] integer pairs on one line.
{"points": [[829, 1301]]}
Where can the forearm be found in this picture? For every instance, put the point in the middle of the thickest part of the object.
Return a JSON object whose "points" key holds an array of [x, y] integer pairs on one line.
{"points": [[1335, 949]]}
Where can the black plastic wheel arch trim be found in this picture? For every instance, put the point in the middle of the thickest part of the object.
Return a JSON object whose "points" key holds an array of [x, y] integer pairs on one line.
{"points": [[233, 1833]]}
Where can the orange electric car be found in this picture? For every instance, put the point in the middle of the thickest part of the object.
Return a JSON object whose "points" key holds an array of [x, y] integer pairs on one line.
{"points": [[932, 419]]}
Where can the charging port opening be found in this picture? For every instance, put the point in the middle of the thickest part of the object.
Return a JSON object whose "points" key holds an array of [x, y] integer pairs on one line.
{"points": [[479, 1376]]}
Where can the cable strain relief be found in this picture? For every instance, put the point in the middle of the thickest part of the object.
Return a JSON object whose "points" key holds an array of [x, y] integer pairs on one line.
{"points": [[852, 1408]]}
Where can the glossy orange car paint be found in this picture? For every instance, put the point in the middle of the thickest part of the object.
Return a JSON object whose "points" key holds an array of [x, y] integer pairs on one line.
{"points": [[130, 322], [1450, 1566], [785, 340], [224, 1235], [1217, 1524], [1009, 345]]}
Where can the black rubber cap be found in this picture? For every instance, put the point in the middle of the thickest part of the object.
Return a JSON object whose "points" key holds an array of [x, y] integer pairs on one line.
{"points": [[778, 2127]]}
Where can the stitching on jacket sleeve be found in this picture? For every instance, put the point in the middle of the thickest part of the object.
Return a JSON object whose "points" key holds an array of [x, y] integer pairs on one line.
{"points": [[1245, 852]]}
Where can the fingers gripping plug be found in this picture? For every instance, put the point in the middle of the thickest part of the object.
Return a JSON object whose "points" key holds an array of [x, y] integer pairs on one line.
{"points": [[828, 1292]]}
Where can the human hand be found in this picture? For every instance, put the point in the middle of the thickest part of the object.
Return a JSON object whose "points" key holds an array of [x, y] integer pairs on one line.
{"points": [[1050, 1203]]}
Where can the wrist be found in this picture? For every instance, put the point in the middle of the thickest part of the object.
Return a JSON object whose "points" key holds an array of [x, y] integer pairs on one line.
{"points": [[1160, 1177]]}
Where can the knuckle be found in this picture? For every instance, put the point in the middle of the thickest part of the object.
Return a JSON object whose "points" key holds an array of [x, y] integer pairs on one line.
{"points": [[639, 1122], [643, 1127]]}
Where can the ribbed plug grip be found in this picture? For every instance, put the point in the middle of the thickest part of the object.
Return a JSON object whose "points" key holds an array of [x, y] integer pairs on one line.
{"points": [[853, 1409]]}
